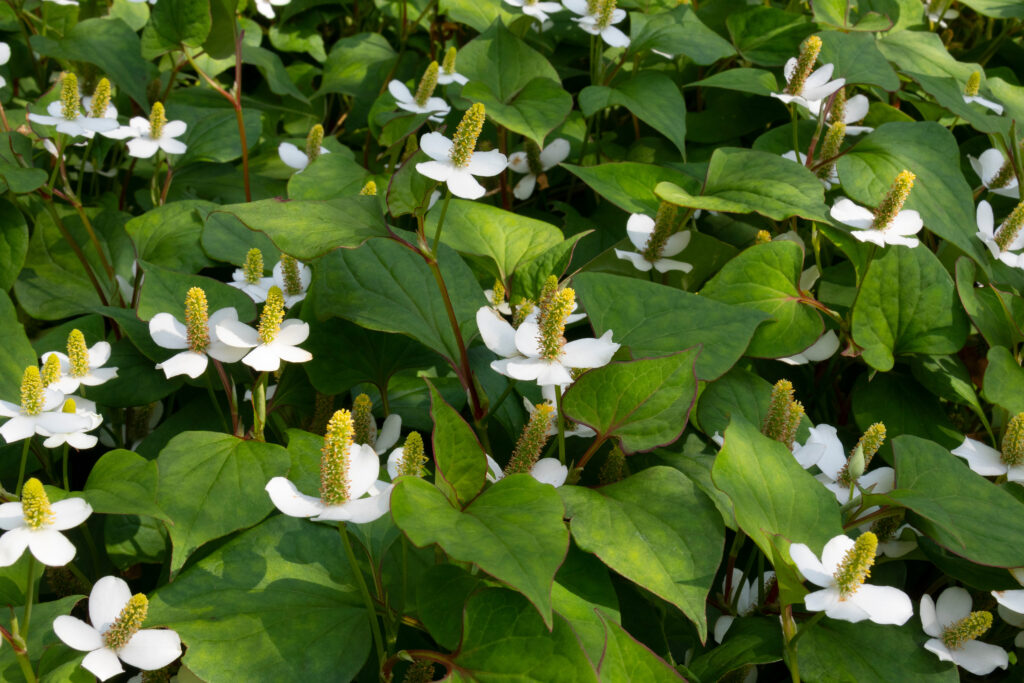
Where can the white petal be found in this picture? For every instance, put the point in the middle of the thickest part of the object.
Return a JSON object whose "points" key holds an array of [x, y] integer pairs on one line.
{"points": [[856, 109], [292, 155], [722, 626], [824, 348], [364, 466], [809, 565], [953, 604], [664, 265], [151, 649], [884, 604], [639, 229], [638, 260], [524, 188], [18, 428], [12, 516], [394, 460], [400, 91], [497, 334], [487, 163], [263, 358], [589, 353], [906, 222], [437, 147], [983, 459], [108, 597], [102, 663], [1013, 601], [789, 68], [360, 511], [929, 621], [77, 634], [389, 433], [494, 467], [980, 658], [12, 545], [50, 547], [990, 161], [218, 350], [69, 513], [845, 211], [287, 498], [517, 162], [555, 153], [539, 370], [235, 333], [143, 147], [528, 339], [173, 129], [436, 170], [550, 471], [168, 332], [834, 552], [825, 600], [846, 610], [292, 332], [615, 37], [675, 243], [873, 236], [576, 6], [185, 363]]}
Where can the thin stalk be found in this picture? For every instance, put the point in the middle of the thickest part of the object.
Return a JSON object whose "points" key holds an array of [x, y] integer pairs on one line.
{"points": [[597, 443], [440, 222], [371, 610], [796, 131], [789, 633], [64, 467], [21, 468], [30, 593], [561, 425]]}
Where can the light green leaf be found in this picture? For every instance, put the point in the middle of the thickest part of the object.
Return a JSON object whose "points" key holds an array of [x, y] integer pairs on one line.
{"points": [[678, 30], [627, 659], [533, 110], [169, 235], [857, 58], [16, 353], [331, 176], [741, 79], [124, 483], [1004, 381], [653, 97], [182, 22], [630, 185], [766, 35], [461, 466], [504, 63]]}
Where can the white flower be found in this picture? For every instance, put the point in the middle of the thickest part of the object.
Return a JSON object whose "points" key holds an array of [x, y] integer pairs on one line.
{"points": [[907, 222], [22, 425], [940, 620], [63, 2], [267, 356], [856, 109], [363, 467], [68, 383], [571, 428], [500, 337], [816, 87], [989, 104], [529, 364], [987, 166], [820, 350], [111, 608], [305, 277], [537, 9], [257, 291], [550, 156], [169, 333], [591, 23], [936, 18], [295, 157], [822, 448], [833, 174], [58, 431], [855, 601], [388, 435], [460, 179], [444, 77], [266, 7], [40, 530], [987, 234], [987, 461], [1011, 609], [881, 480], [746, 601], [545, 470], [143, 145], [640, 229], [5, 56], [501, 307], [79, 125], [405, 99]]}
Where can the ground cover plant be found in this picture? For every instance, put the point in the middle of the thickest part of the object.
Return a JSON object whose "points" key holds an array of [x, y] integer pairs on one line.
{"points": [[512, 340]]}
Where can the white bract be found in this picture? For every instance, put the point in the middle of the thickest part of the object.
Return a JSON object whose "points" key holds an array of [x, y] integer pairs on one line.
{"points": [[57, 430], [5, 56], [987, 461], [530, 364], [459, 179], [640, 228], [266, 7], [987, 232], [143, 144], [78, 125], [898, 231], [1011, 609], [68, 383], [110, 601], [823, 349], [822, 448], [549, 157], [817, 87], [545, 470], [169, 333], [295, 157], [988, 167], [36, 524], [536, 8], [600, 23], [988, 104], [23, 425], [267, 356], [405, 99], [942, 619]]}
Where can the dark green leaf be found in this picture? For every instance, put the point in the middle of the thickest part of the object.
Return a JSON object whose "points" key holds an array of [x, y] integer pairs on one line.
{"points": [[459, 458], [654, 98], [1004, 380], [169, 235], [182, 22], [163, 291], [123, 483], [533, 110]]}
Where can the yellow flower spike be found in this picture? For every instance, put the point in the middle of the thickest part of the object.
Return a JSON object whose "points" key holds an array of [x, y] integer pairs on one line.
{"points": [[1010, 228], [272, 315], [32, 398], [762, 237], [894, 200], [555, 307], [69, 406], [157, 120], [1013, 441], [532, 440], [197, 320], [498, 296], [830, 148], [35, 505], [664, 226], [252, 269], [314, 141], [974, 625], [593, 7], [334, 459], [449, 60], [838, 111], [427, 85], [466, 134], [855, 568], [775, 420], [413, 457], [78, 354], [370, 188], [128, 622], [70, 103], [973, 84], [871, 441], [362, 419], [100, 99], [51, 370], [809, 50], [524, 307]]}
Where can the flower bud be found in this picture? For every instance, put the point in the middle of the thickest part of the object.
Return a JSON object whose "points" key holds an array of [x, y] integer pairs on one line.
{"points": [[498, 295], [448, 66], [973, 84], [369, 189], [762, 237]]}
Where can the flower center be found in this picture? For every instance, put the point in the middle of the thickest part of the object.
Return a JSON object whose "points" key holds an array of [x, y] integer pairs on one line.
{"points": [[100, 99], [466, 134], [314, 141], [197, 320], [856, 565], [413, 457], [894, 200], [449, 60], [51, 370], [809, 50], [35, 505], [1008, 231], [967, 629], [1013, 442], [498, 293], [531, 441], [524, 307], [78, 354], [157, 120], [290, 271], [69, 407], [664, 226], [604, 14], [784, 414], [70, 104], [369, 189], [31, 391], [128, 622], [252, 269], [272, 315], [838, 111], [1002, 177], [973, 84], [555, 306], [362, 419], [427, 85], [334, 459]]}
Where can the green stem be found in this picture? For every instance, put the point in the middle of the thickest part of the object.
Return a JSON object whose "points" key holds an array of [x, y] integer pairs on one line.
{"points": [[21, 468], [26, 667], [30, 592], [789, 634], [440, 222], [371, 611], [64, 457], [561, 424], [804, 627], [796, 131]]}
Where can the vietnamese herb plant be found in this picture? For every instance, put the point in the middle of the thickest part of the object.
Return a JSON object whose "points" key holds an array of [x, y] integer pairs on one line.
{"points": [[511, 340]]}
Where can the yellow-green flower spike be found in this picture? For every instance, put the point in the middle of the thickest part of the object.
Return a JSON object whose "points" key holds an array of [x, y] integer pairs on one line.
{"points": [[1013, 441], [894, 200], [466, 134], [1004, 175], [128, 622], [1010, 228], [604, 14], [555, 307], [197, 320], [78, 354], [272, 315], [762, 237], [593, 7], [664, 226], [533, 158], [855, 568], [838, 111], [157, 120], [532, 440], [369, 189], [100, 99], [334, 459], [32, 391], [794, 415], [524, 307], [51, 370], [809, 50], [420, 671], [973, 84], [252, 269], [777, 422], [69, 406], [425, 90], [871, 441], [498, 296], [886, 527], [314, 141], [35, 505], [290, 273], [448, 66], [70, 103], [830, 148], [413, 457], [362, 419], [967, 629]]}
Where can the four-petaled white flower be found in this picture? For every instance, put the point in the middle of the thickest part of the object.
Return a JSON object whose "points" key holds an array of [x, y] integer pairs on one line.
{"points": [[945, 619], [79, 125], [855, 110], [536, 8], [267, 356], [99, 354], [266, 7], [279, 279], [22, 425], [545, 470], [36, 523], [143, 145], [57, 430], [169, 333], [746, 600], [817, 87], [905, 223], [833, 174], [988, 166], [855, 601], [592, 24], [111, 611], [823, 349], [550, 156], [1011, 256], [640, 229], [459, 179], [294, 157], [822, 448], [987, 461], [405, 99]]}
